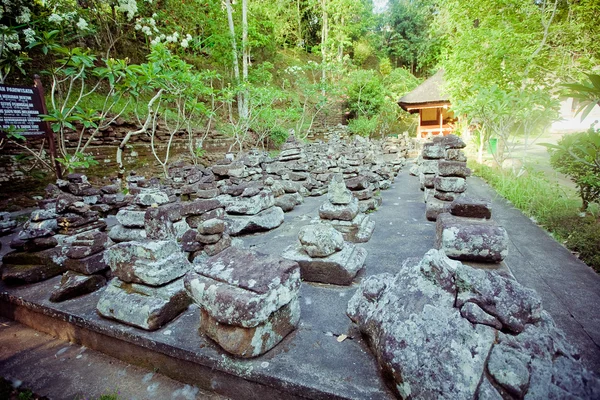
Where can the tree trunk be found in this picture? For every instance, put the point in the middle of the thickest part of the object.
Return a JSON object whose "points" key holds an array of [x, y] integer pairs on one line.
{"points": [[245, 59], [324, 36], [236, 66]]}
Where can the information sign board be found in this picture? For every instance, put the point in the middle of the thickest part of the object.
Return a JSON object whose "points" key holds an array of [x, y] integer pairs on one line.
{"points": [[21, 107]]}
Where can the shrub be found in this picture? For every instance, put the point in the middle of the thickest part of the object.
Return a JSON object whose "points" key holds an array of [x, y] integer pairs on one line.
{"points": [[366, 93], [578, 156], [363, 126], [278, 136], [551, 206]]}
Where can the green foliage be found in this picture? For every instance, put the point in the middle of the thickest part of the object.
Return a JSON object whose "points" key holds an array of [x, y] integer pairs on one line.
{"points": [[406, 34], [362, 51], [579, 234], [363, 126], [278, 136], [554, 208], [578, 156], [385, 66], [77, 161], [588, 93], [365, 93]]}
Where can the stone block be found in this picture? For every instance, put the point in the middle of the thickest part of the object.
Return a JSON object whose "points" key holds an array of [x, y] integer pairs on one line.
{"points": [[265, 220], [119, 233], [88, 265], [344, 212], [450, 184], [248, 300], [426, 180], [432, 151], [456, 155], [359, 230], [450, 142], [371, 204], [429, 166], [358, 183], [73, 285], [22, 267], [286, 202], [131, 218], [251, 205], [470, 207], [320, 240], [435, 207], [445, 196], [339, 268], [151, 196], [143, 306], [152, 263], [471, 239], [212, 226], [216, 248], [453, 168]]}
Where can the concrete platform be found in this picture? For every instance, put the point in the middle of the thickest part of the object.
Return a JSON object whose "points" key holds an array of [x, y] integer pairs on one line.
{"points": [[311, 363]]}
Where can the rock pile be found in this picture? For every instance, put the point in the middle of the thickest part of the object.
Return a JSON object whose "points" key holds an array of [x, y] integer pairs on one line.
{"points": [[7, 224], [325, 257], [147, 290], [190, 182], [441, 329], [443, 173], [36, 255], [364, 191], [248, 301], [250, 207], [132, 218], [85, 266], [342, 212], [207, 234], [464, 229]]}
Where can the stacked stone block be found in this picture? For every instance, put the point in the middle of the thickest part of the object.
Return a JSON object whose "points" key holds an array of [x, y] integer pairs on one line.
{"points": [[36, 255], [365, 192], [7, 224], [207, 236], [325, 257], [341, 210], [248, 301], [147, 289], [443, 173], [85, 266], [250, 208]]}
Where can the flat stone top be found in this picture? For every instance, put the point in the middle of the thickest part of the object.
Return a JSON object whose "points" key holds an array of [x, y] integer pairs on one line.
{"points": [[448, 219], [249, 270]]}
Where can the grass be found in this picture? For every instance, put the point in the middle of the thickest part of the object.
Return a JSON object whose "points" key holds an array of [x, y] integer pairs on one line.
{"points": [[553, 207]]}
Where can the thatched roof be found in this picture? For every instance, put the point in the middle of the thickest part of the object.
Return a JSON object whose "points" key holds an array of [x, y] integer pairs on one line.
{"points": [[427, 92]]}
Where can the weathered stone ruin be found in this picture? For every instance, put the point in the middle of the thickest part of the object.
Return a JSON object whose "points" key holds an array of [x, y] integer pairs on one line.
{"points": [[443, 172], [206, 236], [248, 301], [147, 289], [325, 257], [441, 329], [342, 212], [250, 208], [7, 224], [85, 265], [36, 254], [464, 229]]}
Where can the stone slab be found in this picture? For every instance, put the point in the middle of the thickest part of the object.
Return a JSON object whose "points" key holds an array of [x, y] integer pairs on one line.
{"points": [[143, 306]]}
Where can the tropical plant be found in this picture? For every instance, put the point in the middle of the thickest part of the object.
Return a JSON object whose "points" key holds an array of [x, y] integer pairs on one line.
{"points": [[577, 155], [588, 94]]}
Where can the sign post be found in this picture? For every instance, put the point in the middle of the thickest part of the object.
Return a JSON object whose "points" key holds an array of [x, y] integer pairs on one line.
{"points": [[22, 107]]}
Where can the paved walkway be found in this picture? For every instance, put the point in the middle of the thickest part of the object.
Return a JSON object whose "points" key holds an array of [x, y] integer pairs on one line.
{"points": [[311, 360]]}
